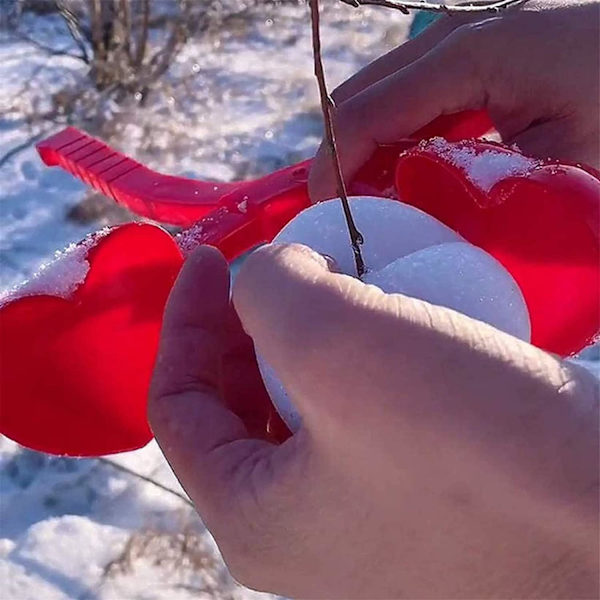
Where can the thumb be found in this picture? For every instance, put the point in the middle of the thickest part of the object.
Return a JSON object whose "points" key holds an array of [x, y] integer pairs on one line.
{"points": [[442, 81], [200, 437]]}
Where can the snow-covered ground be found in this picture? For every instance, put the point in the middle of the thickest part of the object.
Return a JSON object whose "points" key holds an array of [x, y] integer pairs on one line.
{"points": [[237, 102]]}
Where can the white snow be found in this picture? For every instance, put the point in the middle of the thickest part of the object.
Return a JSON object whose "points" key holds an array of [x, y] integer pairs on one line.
{"points": [[391, 229], [409, 252], [486, 168], [60, 277], [462, 277], [74, 528]]}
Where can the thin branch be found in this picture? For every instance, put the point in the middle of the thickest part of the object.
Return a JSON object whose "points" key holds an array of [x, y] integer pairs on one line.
{"points": [[74, 27], [328, 106], [23, 37], [140, 50], [405, 7], [125, 11], [155, 483], [162, 59], [20, 147], [95, 9]]}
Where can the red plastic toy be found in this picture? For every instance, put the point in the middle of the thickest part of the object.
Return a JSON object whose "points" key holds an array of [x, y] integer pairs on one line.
{"points": [[75, 372]]}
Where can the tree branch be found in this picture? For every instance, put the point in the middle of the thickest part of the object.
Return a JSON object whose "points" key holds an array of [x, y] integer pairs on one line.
{"points": [[328, 107], [140, 50], [405, 7], [119, 467], [20, 147], [23, 37], [74, 27]]}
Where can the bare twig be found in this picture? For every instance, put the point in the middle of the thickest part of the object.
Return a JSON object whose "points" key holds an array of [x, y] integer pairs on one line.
{"points": [[125, 15], [95, 10], [74, 27], [140, 51], [328, 106], [19, 148], [405, 7], [155, 483], [19, 35]]}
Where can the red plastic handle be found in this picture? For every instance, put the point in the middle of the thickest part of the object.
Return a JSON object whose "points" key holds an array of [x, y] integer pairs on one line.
{"points": [[182, 201], [233, 216], [164, 198]]}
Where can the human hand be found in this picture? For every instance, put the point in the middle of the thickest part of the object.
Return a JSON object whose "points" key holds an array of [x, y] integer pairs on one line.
{"points": [[438, 457], [534, 68]]}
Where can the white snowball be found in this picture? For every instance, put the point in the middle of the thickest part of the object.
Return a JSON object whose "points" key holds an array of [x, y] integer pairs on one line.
{"points": [[280, 398], [391, 229], [406, 251], [462, 277]]}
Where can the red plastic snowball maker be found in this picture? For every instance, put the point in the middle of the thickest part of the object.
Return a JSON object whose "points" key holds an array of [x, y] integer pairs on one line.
{"points": [[74, 372]]}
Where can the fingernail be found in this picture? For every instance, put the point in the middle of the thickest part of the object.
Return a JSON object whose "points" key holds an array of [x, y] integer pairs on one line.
{"points": [[331, 263]]}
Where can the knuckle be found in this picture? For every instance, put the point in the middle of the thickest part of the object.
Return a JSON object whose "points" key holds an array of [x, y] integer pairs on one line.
{"points": [[473, 39], [253, 552], [473, 46], [463, 39], [254, 543], [251, 572]]}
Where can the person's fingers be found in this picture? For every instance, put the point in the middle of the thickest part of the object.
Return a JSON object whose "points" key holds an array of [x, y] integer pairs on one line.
{"points": [[408, 52], [190, 421], [314, 327], [445, 80], [329, 336], [399, 57]]}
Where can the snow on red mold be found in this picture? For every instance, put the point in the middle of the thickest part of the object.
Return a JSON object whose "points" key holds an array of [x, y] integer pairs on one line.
{"points": [[61, 276], [483, 168]]}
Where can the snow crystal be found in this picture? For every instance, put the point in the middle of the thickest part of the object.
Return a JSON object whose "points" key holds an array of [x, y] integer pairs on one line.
{"points": [[486, 168], [196, 235], [61, 276], [189, 239]]}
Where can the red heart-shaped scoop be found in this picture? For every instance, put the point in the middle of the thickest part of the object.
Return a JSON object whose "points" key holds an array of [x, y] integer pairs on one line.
{"points": [[539, 220], [76, 370]]}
